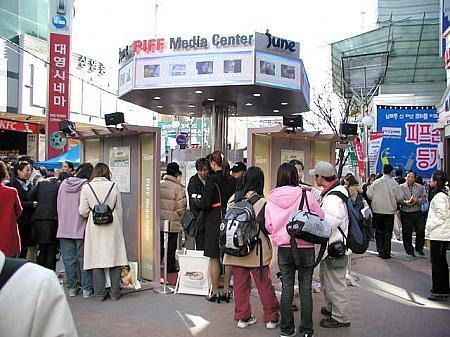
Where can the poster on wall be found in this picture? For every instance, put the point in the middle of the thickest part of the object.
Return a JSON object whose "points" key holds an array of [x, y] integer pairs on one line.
{"points": [[288, 155], [376, 139], [119, 164], [409, 140]]}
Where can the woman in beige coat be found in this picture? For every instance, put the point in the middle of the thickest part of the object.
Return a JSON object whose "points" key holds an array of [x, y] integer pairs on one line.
{"points": [[253, 264], [104, 245]]}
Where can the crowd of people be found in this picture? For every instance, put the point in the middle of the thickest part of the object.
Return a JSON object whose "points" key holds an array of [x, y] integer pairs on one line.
{"points": [[46, 216], [42, 215], [216, 188]]}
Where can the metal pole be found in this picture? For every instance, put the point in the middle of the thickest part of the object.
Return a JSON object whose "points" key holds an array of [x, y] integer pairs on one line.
{"points": [[165, 289]]}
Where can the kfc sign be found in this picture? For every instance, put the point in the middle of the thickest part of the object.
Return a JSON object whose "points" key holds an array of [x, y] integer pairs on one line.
{"points": [[18, 126]]}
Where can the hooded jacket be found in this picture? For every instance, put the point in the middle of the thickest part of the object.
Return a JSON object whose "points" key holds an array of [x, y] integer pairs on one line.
{"points": [[283, 201], [71, 223]]}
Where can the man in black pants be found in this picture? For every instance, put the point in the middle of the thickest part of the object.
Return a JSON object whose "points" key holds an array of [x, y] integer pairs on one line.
{"points": [[384, 193], [412, 197]]}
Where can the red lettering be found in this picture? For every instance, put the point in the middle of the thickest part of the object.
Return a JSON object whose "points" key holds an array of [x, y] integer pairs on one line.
{"points": [[148, 46]]}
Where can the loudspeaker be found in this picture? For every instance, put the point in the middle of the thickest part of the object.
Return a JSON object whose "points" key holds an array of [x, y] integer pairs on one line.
{"points": [[348, 129], [67, 127], [114, 118], [293, 121]]}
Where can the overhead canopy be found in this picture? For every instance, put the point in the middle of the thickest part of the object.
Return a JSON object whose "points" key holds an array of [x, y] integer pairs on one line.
{"points": [[73, 155]]}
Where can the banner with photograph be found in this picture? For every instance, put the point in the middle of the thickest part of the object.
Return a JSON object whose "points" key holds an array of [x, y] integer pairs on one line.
{"points": [[181, 70], [278, 71], [376, 138], [360, 157]]}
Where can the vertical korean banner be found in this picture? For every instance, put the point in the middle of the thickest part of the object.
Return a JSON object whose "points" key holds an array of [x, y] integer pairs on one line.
{"points": [[361, 158], [60, 26], [409, 141], [376, 139]]}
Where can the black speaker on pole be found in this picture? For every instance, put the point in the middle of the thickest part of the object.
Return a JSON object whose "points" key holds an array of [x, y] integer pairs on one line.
{"points": [[114, 118], [67, 127], [293, 121], [348, 129]]}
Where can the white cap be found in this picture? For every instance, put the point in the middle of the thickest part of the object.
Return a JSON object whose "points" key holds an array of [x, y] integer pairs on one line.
{"points": [[323, 169]]}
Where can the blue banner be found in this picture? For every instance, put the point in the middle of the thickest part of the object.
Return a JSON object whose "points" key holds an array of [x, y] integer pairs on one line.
{"points": [[409, 141]]}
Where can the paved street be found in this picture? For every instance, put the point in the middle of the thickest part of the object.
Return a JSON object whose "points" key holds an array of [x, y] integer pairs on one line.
{"points": [[390, 299]]}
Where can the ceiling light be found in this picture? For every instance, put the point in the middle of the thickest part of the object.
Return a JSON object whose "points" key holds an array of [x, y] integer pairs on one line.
{"points": [[191, 105], [159, 106], [211, 99], [248, 104], [191, 113], [198, 92], [256, 94], [276, 110], [284, 103], [157, 98]]}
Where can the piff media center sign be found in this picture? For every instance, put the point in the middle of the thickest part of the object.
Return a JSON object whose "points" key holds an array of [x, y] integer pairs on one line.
{"points": [[61, 13], [409, 140]]}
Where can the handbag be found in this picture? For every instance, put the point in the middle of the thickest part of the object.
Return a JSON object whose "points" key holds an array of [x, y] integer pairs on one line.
{"points": [[303, 224], [189, 223], [102, 214]]}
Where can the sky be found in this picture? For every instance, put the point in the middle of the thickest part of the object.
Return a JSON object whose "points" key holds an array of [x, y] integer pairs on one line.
{"points": [[101, 27]]}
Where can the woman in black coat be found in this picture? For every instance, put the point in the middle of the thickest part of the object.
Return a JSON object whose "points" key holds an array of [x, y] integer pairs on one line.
{"points": [[218, 189], [22, 174], [195, 192], [45, 220]]}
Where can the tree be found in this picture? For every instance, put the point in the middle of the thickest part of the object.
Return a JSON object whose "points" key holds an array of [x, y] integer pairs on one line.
{"points": [[329, 111]]}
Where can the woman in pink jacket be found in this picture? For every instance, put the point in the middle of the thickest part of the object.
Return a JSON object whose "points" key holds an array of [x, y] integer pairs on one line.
{"points": [[283, 201]]}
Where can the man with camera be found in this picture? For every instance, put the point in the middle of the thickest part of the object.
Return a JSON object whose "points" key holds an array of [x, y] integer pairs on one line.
{"points": [[333, 267]]}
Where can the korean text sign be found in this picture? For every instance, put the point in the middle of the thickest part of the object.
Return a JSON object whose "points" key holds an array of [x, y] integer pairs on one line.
{"points": [[409, 141], [60, 15]]}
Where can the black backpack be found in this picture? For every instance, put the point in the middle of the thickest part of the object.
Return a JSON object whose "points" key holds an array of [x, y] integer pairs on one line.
{"points": [[239, 230], [102, 214], [358, 231]]}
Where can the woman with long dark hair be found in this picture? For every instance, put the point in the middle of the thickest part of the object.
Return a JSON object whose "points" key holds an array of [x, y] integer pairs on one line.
{"points": [[283, 201], [219, 188], [438, 232], [104, 245], [254, 263], [21, 182]]}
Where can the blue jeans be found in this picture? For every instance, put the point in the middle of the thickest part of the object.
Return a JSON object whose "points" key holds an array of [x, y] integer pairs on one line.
{"points": [[72, 252], [305, 271]]}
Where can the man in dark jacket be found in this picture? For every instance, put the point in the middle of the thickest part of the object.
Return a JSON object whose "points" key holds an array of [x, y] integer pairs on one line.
{"points": [[195, 193], [45, 220]]}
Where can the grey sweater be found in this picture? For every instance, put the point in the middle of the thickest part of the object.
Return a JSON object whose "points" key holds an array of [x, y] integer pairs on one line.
{"points": [[384, 193]]}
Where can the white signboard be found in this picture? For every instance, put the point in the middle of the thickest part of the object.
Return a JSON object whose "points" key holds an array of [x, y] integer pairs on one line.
{"points": [[376, 138], [119, 164]]}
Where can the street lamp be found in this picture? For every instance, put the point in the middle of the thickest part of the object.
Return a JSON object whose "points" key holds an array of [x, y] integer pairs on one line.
{"points": [[367, 121]]}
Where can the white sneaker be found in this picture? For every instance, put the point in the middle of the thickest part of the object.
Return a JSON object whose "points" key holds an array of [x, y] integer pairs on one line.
{"points": [[243, 323], [72, 292], [87, 293], [272, 324]]}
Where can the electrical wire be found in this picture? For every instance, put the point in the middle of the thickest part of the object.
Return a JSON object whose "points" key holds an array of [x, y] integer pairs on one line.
{"points": [[49, 64]]}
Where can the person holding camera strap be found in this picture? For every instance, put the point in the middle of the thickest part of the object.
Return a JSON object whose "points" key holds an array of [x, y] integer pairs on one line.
{"points": [[333, 266]]}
